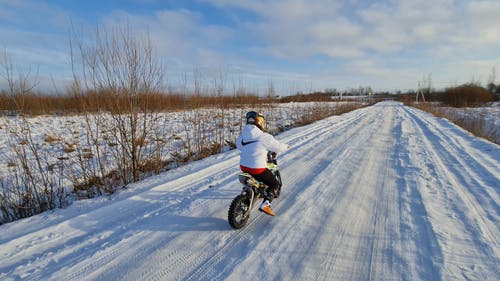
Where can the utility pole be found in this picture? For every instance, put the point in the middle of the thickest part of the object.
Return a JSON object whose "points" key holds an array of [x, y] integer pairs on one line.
{"points": [[420, 92]]}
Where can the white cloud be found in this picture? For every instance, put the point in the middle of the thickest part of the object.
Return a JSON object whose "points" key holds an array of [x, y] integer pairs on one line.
{"points": [[344, 29], [484, 17], [175, 34], [408, 23], [299, 28]]}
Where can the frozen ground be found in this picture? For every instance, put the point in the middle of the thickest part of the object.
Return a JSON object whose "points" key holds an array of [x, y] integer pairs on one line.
{"points": [[382, 193]]}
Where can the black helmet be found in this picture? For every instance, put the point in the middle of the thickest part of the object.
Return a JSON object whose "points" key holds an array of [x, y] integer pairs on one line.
{"points": [[256, 119]]}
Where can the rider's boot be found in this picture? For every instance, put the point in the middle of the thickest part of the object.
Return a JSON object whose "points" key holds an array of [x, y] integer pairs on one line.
{"points": [[265, 207]]}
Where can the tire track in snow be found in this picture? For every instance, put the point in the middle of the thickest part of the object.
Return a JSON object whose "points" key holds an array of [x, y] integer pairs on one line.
{"points": [[420, 255], [292, 228], [209, 268], [385, 217], [463, 226], [483, 167], [364, 231], [316, 183], [116, 243], [189, 198], [461, 184], [350, 198]]}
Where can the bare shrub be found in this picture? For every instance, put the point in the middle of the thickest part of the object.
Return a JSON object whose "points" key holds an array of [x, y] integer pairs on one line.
{"points": [[35, 182], [467, 95], [312, 97], [89, 165]]}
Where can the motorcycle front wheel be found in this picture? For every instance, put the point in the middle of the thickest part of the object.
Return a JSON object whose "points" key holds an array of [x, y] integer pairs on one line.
{"points": [[278, 190]]}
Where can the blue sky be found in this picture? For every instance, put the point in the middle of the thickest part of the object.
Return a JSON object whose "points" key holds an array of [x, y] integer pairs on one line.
{"points": [[298, 45]]}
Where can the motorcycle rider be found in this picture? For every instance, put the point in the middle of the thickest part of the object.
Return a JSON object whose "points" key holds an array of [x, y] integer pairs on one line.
{"points": [[254, 144]]}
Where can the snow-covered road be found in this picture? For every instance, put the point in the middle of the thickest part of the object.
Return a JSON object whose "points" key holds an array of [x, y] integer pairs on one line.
{"points": [[382, 193]]}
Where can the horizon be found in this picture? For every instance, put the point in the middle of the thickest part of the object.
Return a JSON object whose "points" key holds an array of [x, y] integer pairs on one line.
{"points": [[297, 45]]}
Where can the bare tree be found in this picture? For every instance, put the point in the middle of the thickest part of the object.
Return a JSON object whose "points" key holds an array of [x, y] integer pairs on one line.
{"points": [[123, 68], [491, 81], [197, 81], [271, 91], [18, 85]]}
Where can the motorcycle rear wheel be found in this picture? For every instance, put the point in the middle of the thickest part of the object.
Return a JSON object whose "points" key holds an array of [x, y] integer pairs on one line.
{"points": [[237, 214]]}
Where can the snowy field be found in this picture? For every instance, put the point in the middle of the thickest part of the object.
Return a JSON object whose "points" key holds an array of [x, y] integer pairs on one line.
{"points": [[51, 134], [386, 192], [60, 152]]}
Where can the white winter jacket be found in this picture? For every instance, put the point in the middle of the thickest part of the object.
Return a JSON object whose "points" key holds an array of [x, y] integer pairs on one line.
{"points": [[254, 145]]}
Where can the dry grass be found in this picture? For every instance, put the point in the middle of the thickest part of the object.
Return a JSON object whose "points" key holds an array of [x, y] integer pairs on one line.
{"points": [[69, 149], [92, 102], [51, 138]]}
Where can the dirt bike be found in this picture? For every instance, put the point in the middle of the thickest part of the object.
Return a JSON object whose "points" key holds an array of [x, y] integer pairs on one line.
{"points": [[252, 191]]}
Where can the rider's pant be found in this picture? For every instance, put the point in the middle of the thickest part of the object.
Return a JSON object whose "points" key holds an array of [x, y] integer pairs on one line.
{"points": [[268, 178]]}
